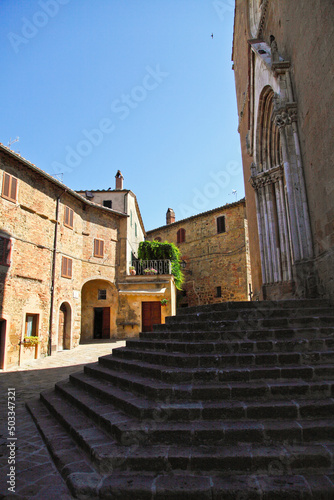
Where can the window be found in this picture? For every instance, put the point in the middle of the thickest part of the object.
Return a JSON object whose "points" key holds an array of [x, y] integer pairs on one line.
{"points": [[221, 224], [9, 187], [66, 267], [31, 329], [107, 203], [68, 217], [157, 238], [98, 248], [102, 294], [181, 235], [5, 248], [136, 233], [218, 291]]}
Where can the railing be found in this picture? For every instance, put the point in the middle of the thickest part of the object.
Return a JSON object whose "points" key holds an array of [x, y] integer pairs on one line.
{"points": [[147, 267]]}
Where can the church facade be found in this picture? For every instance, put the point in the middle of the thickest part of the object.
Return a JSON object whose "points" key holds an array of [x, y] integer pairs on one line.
{"points": [[283, 65]]}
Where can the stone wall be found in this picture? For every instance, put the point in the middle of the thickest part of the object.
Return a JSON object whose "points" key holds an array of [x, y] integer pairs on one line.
{"points": [[27, 283], [304, 36], [211, 259]]}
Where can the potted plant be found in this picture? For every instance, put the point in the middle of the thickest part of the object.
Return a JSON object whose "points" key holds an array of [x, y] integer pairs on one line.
{"points": [[164, 302], [31, 341], [132, 270], [150, 270]]}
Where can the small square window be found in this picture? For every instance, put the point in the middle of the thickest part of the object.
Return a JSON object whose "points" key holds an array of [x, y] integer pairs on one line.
{"points": [[68, 217], [107, 203], [102, 294], [9, 187]]}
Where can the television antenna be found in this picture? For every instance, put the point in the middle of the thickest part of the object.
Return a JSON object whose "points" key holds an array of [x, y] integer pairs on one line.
{"points": [[11, 141], [59, 176]]}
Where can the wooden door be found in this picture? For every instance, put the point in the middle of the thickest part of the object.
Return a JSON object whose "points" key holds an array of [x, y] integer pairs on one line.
{"points": [[151, 315], [61, 327]]}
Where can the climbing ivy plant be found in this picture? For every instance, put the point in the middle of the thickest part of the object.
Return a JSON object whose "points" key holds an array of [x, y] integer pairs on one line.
{"points": [[156, 250]]}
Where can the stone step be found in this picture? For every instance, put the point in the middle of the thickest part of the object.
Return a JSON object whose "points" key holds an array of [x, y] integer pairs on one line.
{"points": [[309, 372], [183, 360], [184, 485], [281, 305], [89, 483], [201, 332], [207, 324], [209, 402], [109, 455], [225, 347], [247, 318], [157, 422], [217, 459], [232, 401]]}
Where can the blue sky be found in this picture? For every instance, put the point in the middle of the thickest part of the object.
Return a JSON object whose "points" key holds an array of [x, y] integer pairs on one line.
{"points": [[95, 86]]}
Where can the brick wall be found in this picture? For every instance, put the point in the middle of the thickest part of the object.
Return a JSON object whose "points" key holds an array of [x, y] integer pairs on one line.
{"points": [[212, 260], [26, 284]]}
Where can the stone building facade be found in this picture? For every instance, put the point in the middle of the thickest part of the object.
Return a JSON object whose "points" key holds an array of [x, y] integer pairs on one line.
{"points": [[214, 248], [64, 273], [125, 201], [283, 63]]}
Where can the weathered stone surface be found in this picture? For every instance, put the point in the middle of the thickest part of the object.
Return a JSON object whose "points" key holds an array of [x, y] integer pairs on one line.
{"points": [[154, 427]]}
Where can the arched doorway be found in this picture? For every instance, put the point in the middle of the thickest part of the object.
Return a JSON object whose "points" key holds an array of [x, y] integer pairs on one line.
{"points": [[99, 304], [64, 327], [269, 182]]}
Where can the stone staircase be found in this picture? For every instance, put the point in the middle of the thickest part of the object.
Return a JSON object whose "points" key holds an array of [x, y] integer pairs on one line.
{"points": [[227, 401]]}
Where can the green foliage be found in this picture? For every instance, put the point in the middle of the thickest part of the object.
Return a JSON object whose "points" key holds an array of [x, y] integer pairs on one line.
{"points": [[156, 250], [32, 340]]}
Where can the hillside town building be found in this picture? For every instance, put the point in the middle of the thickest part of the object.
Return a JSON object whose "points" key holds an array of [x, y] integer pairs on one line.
{"points": [[283, 65], [64, 269], [215, 257]]}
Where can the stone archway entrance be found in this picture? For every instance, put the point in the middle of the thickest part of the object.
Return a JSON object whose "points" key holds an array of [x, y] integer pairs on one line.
{"points": [[99, 304]]}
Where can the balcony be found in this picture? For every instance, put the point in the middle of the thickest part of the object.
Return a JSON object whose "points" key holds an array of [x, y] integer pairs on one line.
{"points": [[151, 267]]}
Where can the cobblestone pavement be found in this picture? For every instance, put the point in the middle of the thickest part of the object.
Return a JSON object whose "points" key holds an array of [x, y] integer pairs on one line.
{"points": [[36, 476]]}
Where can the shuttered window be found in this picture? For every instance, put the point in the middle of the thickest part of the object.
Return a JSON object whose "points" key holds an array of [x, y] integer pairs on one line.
{"points": [[221, 224], [66, 267], [68, 217], [5, 248], [181, 235], [98, 248], [9, 187]]}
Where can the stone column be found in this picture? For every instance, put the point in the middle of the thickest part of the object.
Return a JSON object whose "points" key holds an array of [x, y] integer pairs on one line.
{"points": [[281, 121], [260, 230], [285, 230]]}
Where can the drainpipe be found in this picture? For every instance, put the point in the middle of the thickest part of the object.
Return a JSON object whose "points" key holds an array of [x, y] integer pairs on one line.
{"points": [[54, 272]]}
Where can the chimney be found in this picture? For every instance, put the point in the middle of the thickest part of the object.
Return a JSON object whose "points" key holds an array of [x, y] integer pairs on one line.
{"points": [[170, 216], [119, 180]]}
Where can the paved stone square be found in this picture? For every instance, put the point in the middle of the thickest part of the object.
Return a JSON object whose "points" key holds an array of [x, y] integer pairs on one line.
{"points": [[36, 476]]}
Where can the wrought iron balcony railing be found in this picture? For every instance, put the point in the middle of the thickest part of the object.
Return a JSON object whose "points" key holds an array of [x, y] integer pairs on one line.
{"points": [[151, 267]]}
